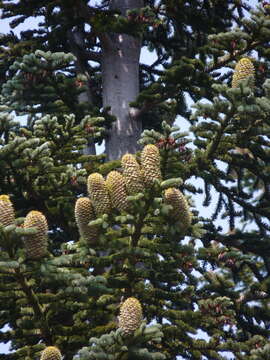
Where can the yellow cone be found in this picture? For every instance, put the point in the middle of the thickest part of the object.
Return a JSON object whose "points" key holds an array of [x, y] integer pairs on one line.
{"points": [[115, 184], [132, 174], [180, 211], [84, 213], [7, 215], [243, 69], [150, 162], [36, 245], [130, 317], [51, 353], [98, 193]]}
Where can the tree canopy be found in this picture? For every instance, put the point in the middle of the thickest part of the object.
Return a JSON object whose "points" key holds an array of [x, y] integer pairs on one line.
{"points": [[107, 256]]}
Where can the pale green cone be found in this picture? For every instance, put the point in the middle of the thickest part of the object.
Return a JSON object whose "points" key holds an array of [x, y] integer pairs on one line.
{"points": [[84, 213], [150, 163], [243, 69], [7, 214], [51, 353], [179, 203], [98, 194], [115, 184], [130, 317], [36, 245], [132, 174]]}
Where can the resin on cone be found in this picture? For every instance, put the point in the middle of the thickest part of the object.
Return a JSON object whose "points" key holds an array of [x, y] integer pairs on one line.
{"points": [[51, 353], [243, 69], [130, 317], [36, 245], [7, 214], [150, 162], [132, 174], [84, 213], [115, 184], [98, 193], [179, 203]]}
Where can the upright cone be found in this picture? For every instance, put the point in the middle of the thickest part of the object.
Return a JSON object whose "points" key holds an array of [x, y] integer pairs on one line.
{"points": [[115, 184], [36, 245], [243, 69], [130, 317], [180, 211], [7, 215], [150, 162], [84, 213], [132, 174], [98, 193], [51, 353]]}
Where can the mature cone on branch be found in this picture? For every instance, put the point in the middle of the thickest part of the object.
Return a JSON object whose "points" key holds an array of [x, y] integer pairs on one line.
{"points": [[130, 316], [84, 213], [51, 353], [98, 193], [132, 174], [36, 245], [7, 215], [180, 211], [243, 69], [150, 162], [115, 184]]}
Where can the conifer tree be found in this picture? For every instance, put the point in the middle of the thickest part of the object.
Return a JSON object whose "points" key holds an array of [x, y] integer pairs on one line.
{"points": [[112, 259]]}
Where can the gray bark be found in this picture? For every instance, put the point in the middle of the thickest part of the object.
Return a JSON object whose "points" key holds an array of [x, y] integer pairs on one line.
{"points": [[120, 83]]}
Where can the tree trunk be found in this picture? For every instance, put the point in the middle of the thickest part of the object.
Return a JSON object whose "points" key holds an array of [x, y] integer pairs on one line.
{"points": [[120, 82]]}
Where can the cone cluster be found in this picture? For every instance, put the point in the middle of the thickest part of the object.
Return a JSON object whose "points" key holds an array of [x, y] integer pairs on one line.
{"points": [[243, 69], [84, 213], [130, 317], [36, 245], [180, 208], [112, 193], [51, 353], [7, 214]]}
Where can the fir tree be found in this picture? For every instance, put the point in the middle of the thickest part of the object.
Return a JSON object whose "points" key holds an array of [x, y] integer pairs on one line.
{"points": [[111, 259]]}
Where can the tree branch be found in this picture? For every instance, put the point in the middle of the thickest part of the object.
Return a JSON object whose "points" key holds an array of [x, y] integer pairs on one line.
{"points": [[33, 301]]}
